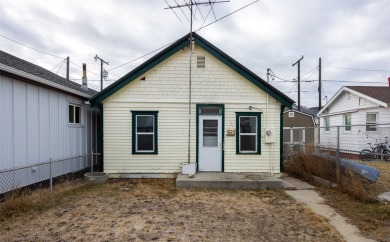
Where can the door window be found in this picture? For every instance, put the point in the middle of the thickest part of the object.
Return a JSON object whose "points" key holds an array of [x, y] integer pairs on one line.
{"points": [[210, 133]]}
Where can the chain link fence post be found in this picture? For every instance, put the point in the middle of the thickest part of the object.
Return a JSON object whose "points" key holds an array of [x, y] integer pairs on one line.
{"points": [[338, 155], [51, 175]]}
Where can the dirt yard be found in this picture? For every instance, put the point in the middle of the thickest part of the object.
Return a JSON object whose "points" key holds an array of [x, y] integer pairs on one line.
{"points": [[146, 210]]}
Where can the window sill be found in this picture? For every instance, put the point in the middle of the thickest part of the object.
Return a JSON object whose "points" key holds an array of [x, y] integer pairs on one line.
{"points": [[144, 153], [75, 125]]}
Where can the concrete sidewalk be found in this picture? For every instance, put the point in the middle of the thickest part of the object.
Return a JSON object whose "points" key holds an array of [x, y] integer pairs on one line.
{"points": [[304, 193]]}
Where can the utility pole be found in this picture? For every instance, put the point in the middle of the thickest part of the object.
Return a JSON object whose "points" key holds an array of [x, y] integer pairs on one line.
{"points": [[190, 5], [319, 85], [67, 68], [268, 73], [101, 70], [299, 82]]}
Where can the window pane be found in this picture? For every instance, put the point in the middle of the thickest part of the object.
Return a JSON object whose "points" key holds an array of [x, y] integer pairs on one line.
{"points": [[247, 142], [210, 133], [347, 122], [71, 114], [210, 111], [77, 115], [248, 124], [145, 142], [371, 118], [145, 124]]}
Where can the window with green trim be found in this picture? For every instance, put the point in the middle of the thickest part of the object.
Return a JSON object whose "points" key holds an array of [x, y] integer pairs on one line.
{"points": [[144, 132], [248, 132]]}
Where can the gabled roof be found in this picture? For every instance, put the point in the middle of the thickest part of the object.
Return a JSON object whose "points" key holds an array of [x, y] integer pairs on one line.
{"points": [[16, 66], [376, 94], [176, 46], [380, 93]]}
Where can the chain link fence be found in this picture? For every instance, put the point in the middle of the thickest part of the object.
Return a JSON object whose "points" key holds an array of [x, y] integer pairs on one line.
{"points": [[363, 150], [46, 174]]}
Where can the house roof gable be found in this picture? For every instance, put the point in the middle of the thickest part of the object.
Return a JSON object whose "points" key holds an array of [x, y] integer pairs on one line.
{"points": [[376, 94], [172, 49], [17, 66]]}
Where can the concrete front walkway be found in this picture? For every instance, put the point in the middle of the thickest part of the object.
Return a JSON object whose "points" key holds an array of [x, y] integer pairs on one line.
{"points": [[305, 194], [299, 190]]}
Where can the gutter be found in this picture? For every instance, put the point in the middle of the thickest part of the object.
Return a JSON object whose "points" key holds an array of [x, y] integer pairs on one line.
{"points": [[41, 80]]}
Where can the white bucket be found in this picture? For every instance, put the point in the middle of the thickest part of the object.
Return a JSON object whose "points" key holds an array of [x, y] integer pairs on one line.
{"points": [[188, 168]]}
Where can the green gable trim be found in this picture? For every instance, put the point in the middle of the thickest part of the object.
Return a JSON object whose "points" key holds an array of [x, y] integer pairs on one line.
{"points": [[175, 47], [101, 140], [281, 138], [244, 72], [137, 72]]}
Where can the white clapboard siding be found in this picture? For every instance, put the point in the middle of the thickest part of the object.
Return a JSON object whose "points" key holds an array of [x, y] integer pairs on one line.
{"points": [[165, 89]]}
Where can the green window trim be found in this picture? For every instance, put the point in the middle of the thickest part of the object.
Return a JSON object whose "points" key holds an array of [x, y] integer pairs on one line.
{"points": [[258, 132], [134, 115]]}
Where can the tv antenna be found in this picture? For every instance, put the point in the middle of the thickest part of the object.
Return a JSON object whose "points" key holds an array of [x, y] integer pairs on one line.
{"points": [[190, 5]]}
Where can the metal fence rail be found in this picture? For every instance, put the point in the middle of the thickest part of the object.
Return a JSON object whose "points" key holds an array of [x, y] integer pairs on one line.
{"points": [[365, 148], [42, 174]]}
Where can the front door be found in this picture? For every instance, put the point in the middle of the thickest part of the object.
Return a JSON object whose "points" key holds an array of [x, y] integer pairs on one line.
{"points": [[210, 143]]}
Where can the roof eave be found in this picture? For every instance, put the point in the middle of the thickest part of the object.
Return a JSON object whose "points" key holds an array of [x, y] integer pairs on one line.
{"points": [[46, 82]]}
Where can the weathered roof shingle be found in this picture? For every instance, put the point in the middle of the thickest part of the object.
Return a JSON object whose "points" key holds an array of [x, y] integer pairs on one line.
{"points": [[25, 66]]}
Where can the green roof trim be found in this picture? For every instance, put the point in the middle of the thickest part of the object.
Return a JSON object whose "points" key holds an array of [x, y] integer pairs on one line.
{"points": [[176, 46]]}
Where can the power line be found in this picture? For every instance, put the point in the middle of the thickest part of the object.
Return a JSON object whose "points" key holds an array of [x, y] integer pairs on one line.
{"points": [[30, 47], [202, 27], [57, 65], [356, 69], [82, 68], [227, 15], [141, 56], [60, 67], [173, 11]]}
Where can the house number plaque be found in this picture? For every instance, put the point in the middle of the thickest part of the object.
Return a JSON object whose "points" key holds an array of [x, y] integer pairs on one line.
{"points": [[230, 132]]}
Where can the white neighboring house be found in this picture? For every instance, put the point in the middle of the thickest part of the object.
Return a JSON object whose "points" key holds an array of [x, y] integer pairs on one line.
{"points": [[363, 114], [44, 117], [236, 117]]}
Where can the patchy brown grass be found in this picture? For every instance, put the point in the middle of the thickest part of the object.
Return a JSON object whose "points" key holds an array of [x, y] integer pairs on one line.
{"points": [[145, 210], [354, 197], [372, 218], [23, 201]]}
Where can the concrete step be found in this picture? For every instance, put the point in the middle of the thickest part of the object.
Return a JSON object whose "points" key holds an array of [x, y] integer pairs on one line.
{"points": [[241, 181]]}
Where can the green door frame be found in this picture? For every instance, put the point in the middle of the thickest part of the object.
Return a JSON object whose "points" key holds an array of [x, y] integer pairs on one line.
{"points": [[222, 106]]}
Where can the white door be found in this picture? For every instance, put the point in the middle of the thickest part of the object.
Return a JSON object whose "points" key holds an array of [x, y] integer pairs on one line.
{"points": [[210, 143]]}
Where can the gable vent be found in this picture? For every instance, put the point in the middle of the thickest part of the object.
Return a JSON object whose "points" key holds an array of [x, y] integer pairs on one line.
{"points": [[201, 62]]}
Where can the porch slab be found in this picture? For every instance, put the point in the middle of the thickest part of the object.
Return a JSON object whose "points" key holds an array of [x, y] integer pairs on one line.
{"points": [[241, 181]]}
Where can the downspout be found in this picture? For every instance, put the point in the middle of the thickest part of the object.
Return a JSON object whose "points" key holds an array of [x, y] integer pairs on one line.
{"points": [[281, 138], [271, 147]]}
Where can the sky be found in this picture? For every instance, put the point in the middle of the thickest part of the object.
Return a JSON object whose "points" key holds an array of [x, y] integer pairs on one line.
{"points": [[351, 37]]}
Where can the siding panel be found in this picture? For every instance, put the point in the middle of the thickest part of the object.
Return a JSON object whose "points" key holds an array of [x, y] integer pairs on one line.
{"points": [[165, 89]]}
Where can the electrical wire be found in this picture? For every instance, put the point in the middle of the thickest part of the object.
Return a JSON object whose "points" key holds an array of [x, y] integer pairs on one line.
{"points": [[60, 67], [141, 56], [30, 47], [356, 69], [227, 15], [57, 65]]}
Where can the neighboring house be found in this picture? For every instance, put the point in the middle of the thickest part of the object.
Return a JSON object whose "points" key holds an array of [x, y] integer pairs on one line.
{"points": [[358, 110], [146, 115], [299, 126], [44, 117]]}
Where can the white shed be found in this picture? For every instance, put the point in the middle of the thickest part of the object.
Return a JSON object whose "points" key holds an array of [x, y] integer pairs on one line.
{"points": [[146, 115], [44, 117]]}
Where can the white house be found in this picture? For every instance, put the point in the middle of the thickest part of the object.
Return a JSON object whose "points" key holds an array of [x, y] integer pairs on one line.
{"points": [[363, 114], [146, 115], [44, 117]]}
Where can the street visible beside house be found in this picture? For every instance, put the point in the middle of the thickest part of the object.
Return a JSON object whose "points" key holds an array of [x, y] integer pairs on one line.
{"points": [[145, 210]]}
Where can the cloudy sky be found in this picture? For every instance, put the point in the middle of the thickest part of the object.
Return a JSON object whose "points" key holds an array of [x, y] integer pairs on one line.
{"points": [[351, 36]]}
